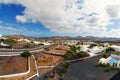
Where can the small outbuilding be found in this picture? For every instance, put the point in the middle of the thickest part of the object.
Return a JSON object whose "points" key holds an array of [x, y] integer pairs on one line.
{"points": [[102, 60]]}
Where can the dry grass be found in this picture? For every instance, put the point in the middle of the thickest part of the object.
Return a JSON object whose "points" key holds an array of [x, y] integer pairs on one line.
{"points": [[48, 60], [43, 70], [62, 47], [57, 51], [12, 65], [24, 77]]}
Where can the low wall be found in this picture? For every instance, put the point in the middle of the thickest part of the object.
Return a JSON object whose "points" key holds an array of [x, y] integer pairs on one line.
{"points": [[10, 55], [79, 59], [18, 74]]}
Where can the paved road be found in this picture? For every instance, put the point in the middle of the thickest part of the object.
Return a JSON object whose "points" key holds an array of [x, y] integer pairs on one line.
{"points": [[18, 51], [21, 50], [87, 70]]}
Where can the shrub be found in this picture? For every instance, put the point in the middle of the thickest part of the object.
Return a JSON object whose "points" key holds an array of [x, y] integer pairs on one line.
{"points": [[69, 54], [74, 54], [65, 65], [104, 55], [110, 49], [116, 53], [26, 54], [101, 45], [107, 65], [107, 69], [99, 64], [84, 54], [74, 48], [103, 65], [41, 44], [92, 45]]}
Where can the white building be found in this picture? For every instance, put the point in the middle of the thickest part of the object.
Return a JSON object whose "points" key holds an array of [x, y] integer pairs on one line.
{"points": [[111, 60], [2, 45], [106, 44], [102, 60], [117, 48], [46, 43], [36, 42], [25, 40], [91, 51]]}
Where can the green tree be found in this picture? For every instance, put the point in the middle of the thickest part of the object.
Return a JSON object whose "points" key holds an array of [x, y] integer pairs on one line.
{"points": [[107, 65], [110, 49], [92, 45], [66, 65], [69, 54], [116, 53], [26, 54], [73, 48], [104, 55], [41, 44], [84, 54], [107, 69]]}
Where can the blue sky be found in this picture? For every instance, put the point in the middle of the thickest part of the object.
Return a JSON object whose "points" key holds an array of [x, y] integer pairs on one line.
{"points": [[41, 18], [7, 19]]}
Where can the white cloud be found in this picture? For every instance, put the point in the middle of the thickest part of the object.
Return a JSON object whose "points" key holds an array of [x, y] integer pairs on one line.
{"points": [[71, 16], [21, 19], [12, 29], [113, 11]]}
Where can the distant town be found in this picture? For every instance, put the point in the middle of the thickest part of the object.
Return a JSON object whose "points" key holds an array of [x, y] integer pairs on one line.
{"points": [[26, 58]]}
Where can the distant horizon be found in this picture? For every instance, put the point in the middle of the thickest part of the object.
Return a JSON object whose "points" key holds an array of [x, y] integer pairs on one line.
{"points": [[57, 36]]}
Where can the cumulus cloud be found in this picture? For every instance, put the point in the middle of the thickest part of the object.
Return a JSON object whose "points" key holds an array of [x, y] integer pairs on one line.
{"points": [[113, 11], [21, 19], [71, 16]]}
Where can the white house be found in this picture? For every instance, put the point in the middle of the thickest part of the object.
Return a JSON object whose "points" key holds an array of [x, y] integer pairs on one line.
{"points": [[36, 42], [2, 45], [46, 43], [84, 47], [111, 60], [91, 51], [106, 44], [117, 48], [102, 60], [96, 49], [26, 40]]}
